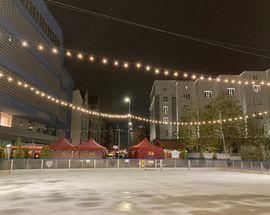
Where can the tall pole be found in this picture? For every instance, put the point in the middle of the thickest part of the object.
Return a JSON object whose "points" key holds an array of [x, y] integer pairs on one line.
{"points": [[129, 124]]}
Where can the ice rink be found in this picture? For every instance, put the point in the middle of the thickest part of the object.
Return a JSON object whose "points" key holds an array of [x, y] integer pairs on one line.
{"points": [[134, 191]]}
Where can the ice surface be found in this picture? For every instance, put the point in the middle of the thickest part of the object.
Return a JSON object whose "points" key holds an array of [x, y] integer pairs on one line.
{"points": [[133, 191]]}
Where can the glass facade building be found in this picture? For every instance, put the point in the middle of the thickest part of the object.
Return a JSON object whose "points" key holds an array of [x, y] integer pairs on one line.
{"points": [[31, 118]]}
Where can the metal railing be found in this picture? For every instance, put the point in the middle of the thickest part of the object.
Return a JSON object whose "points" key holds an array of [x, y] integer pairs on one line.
{"points": [[17, 164]]}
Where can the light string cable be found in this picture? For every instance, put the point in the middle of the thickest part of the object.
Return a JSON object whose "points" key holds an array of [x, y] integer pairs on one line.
{"points": [[120, 20], [15, 82], [126, 65]]}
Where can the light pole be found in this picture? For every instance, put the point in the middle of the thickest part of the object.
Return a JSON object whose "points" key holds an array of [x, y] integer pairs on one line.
{"points": [[128, 100]]}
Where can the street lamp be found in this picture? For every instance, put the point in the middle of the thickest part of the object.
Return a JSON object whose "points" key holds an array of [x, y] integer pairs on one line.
{"points": [[128, 100]]}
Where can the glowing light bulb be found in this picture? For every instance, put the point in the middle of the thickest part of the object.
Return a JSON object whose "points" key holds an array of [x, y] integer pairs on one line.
{"points": [[10, 79], [80, 56], [185, 75], [91, 58], [138, 65], [54, 50], [193, 77], [157, 71], [104, 61], [166, 72], [68, 53], [201, 77], [126, 65], [175, 74], [40, 48], [24, 44], [116, 63], [148, 68]]}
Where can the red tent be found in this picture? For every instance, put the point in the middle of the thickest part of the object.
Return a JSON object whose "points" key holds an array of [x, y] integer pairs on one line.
{"points": [[146, 150], [61, 145], [90, 145]]}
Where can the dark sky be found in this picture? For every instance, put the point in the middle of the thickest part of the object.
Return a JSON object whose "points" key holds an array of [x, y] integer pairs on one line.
{"points": [[245, 22]]}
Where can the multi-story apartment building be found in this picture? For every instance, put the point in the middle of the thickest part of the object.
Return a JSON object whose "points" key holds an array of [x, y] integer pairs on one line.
{"points": [[169, 98], [21, 114]]}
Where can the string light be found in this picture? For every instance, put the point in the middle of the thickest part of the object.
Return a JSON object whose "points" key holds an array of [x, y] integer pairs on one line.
{"points": [[55, 51], [126, 65], [80, 56], [176, 74], [40, 48], [24, 44], [166, 72], [138, 65], [91, 58], [122, 116], [116, 63], [157, 71]]}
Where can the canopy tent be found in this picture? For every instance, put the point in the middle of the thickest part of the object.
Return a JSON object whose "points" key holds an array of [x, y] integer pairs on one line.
{"points": [[90, 145], [90, 149], [61, 145], [146, 150]]}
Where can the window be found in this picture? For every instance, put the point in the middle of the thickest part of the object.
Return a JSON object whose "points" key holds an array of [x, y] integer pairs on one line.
{"points": [[165, 99], [165, 119], [165, 89], [5, 119], [166, 132], [256, 88], [231, 91], [150, 153], [255, 77], [208, 94], [186, 96], [165, 109]]}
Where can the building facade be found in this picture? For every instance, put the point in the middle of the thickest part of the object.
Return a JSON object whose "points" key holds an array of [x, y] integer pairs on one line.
{"points": [[169, 98], [21, 114]]}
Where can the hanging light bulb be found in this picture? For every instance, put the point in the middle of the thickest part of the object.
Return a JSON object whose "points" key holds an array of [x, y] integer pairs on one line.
{"points": [[138, 65], [24, 43], [166, 72], [125, 65], [148, 68], [40, 47], [104, 61], [68, 53], [91, 58], [116, 63], [55, 51], [175, 74], [157, 71], [80, 56], [193, 77], [185, 75]]}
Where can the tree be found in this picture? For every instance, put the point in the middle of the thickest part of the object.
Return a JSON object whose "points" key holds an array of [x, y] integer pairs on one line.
{"points": [[188, 134], [18, 142], [226, 135]]}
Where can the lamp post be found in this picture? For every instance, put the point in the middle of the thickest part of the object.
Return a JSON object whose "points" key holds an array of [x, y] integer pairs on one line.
{"points": [[128, 100]]}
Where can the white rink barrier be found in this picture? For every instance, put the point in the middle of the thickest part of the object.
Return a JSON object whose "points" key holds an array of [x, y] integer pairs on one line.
{"points": [[16, 164]]}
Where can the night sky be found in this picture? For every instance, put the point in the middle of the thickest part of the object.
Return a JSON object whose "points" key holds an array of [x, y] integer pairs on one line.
{"points": [[244, 22]]}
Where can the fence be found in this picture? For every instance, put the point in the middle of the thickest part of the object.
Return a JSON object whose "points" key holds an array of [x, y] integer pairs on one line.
{"points": [[16, 164]]}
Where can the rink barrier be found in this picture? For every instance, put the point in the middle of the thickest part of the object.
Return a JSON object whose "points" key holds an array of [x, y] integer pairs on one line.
{"points": [[61, 163]]}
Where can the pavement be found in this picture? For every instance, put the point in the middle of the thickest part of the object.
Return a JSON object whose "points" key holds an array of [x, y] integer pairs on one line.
{"points": [[134, 191]]}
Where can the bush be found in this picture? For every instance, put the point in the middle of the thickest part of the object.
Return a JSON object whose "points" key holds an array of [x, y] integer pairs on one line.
{"points": [[184, 154], [45, 152], [214, 156], [2, 153], [19, 153]]}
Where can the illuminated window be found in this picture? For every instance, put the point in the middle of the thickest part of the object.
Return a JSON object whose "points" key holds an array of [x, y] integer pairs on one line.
{"points": [[186, 96], [5, 119], [165, 119], [208, 94], [231, 91], [165, 109], [256, 88], [150, 153]]}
